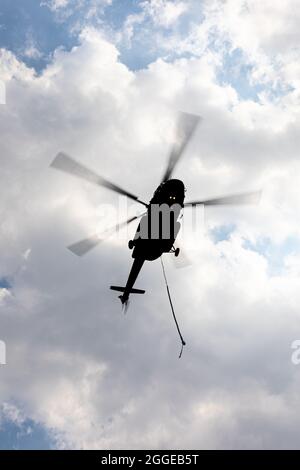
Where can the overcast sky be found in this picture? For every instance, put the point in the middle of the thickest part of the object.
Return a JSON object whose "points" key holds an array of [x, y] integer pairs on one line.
{"points": [[103, 80]]}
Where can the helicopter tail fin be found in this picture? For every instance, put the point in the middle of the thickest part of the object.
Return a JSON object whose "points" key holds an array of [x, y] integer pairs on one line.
{"points": [[131, 291], [126, 292]]}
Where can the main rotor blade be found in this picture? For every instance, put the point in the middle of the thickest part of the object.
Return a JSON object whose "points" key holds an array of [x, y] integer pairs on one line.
{"points": [[68, 165], [233, 199], [186, 126], [84, 246]]}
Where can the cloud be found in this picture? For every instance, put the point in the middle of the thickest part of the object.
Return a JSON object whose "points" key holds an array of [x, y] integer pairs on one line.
{"points": [[97, 378], [57, 4], [265, 35], [266, 32], [66, 8], [164, 13]]}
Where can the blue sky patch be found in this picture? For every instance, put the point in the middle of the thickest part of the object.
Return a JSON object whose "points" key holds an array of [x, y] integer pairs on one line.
{"points": [[31, 32], [235, 72], [222, 232], [117, 12], [27, 435], [5, 283], [274, 253]]}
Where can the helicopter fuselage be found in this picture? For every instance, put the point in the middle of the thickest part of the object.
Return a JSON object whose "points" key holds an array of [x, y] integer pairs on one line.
{"points": [[159, 227], [156, 233]]}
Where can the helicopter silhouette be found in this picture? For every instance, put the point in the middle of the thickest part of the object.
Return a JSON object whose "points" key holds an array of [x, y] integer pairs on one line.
{"points": [[159, 225]]}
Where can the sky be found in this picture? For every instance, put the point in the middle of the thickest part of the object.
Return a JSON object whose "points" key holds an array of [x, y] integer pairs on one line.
{"points": [[103, 80]]}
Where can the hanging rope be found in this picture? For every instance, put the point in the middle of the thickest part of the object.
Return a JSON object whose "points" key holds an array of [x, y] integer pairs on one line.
{"points": [[172, 308]]}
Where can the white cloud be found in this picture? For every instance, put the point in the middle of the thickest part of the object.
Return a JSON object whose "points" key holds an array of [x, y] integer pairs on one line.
{"points": [[59, 3], [3, 293], [75, 363], [163, 12], [91, 6], [55, 5], [267, 32]]}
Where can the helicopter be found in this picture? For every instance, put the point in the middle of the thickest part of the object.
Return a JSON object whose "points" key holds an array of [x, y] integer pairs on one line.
{"points": [[159, 225]]}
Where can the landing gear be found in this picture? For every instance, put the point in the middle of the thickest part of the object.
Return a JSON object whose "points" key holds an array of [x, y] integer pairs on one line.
{"points": [[176, 251], [130, 244]]}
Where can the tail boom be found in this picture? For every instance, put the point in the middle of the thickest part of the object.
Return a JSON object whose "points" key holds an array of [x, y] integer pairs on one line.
{"points": [[128, 289]]}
